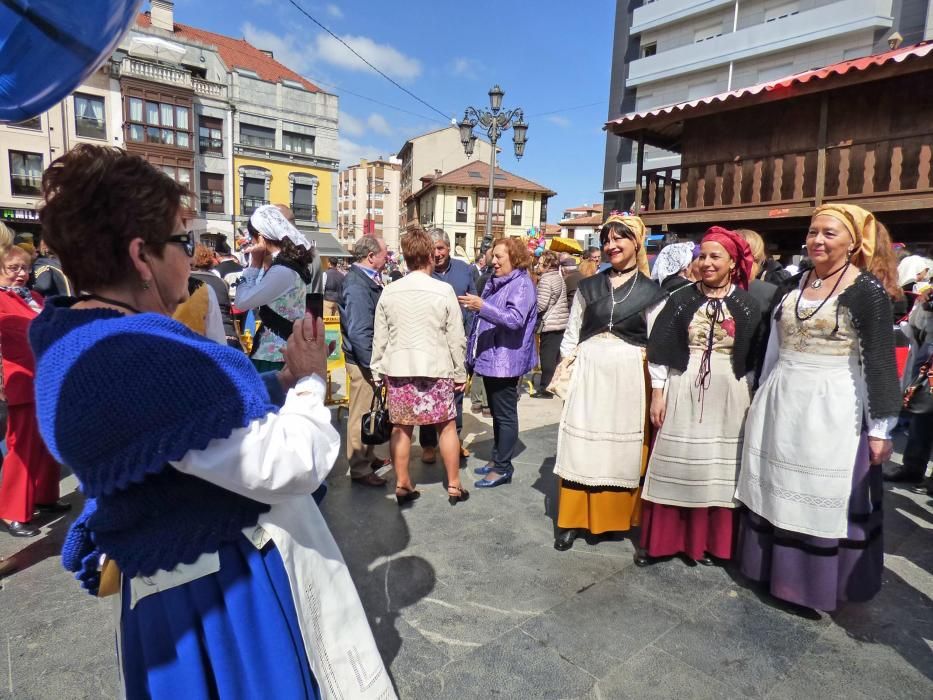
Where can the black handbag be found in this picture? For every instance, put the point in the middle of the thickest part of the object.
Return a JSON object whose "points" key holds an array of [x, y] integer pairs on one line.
{"points": [[919, 395], [376, 428]]}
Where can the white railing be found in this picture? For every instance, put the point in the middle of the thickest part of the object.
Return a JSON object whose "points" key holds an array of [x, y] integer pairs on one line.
{"points": [[172, 76]]}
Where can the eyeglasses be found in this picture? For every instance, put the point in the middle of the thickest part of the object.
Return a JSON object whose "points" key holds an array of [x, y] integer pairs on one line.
{"points": [[186, 240], [13, 269]]}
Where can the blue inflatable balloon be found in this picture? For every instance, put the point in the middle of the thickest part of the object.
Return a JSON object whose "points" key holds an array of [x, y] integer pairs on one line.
{"points": [[538, 251], [49, 47]]}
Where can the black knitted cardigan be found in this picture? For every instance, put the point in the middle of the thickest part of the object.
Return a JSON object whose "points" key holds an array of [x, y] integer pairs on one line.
{"points": [[870, 310], [669, 344]]}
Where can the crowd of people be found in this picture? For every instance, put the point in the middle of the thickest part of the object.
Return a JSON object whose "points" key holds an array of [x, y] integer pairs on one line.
{"points": [[726, 408]]}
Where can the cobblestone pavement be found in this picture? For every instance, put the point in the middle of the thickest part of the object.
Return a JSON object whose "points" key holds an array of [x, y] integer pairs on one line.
{"points": [[474, 602]]}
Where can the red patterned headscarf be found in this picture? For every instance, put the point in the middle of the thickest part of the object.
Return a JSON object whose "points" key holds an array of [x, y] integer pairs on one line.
{"points": [[737, 249]]}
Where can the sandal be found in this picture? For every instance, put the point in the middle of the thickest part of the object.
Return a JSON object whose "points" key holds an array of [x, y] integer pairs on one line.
{"points": [[404, 494], [461, 495]]}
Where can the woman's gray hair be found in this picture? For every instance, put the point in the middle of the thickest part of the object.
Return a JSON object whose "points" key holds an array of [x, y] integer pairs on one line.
{"points": [[364, 246], [439, 234]]}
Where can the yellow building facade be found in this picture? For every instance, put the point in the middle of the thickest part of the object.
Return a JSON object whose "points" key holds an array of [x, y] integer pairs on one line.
{"points": [[307, 190]]}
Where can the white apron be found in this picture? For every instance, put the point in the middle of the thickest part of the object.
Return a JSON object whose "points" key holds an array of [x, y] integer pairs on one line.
{"points": [[602, 428]]}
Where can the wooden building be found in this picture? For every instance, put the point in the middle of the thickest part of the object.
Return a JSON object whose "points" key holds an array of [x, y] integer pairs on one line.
{"points": [[763, 157]]}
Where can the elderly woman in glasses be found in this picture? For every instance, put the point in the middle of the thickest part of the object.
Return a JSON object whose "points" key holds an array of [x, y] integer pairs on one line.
{"points": [[30, 474], [280, 292], [203, 462]]}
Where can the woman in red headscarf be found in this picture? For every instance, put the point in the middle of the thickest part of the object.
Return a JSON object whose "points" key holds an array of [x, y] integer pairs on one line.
{"points": [[701, 359]]}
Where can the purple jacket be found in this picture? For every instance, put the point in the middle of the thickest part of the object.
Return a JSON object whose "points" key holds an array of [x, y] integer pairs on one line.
{"points": [[502, 342]]}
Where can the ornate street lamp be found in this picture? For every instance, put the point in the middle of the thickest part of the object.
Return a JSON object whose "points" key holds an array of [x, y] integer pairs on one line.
{"points": [[495, 121]]}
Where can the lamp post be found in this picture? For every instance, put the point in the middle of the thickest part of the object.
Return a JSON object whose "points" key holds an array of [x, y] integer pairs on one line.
{"points": [[495, 121]]}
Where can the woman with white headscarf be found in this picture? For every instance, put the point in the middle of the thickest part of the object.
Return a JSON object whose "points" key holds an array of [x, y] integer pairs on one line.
{"points": [[276, 282], [672, 266]]}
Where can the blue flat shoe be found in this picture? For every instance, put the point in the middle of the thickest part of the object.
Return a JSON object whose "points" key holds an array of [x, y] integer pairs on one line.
{"points": [[484, 470], [488, 483]]}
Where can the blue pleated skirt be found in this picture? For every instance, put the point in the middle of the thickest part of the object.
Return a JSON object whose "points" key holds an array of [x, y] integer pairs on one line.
{"points": [[232, 634]]}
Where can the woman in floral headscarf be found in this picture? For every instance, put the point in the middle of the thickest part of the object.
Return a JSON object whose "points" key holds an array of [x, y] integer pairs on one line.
{"points": [[672, 266], [819, 428], [702, 354], [602, 443], [276, 282]]}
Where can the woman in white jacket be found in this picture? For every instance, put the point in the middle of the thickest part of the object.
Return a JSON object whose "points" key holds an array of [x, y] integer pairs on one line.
{"points": [[418, 352]]}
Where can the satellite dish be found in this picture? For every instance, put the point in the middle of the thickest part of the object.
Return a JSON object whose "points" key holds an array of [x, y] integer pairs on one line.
{"points": [[49, 47]]}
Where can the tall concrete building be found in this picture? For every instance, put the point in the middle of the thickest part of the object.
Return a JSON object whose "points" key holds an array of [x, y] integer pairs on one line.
{"points": [[670, 51], [367, 201], [429, 155]]}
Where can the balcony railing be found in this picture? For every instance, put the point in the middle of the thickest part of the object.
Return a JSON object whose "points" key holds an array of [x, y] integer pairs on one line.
{"points": [[853, 170], [172, 76], [250, 204], [305, 212], [212, 202]]}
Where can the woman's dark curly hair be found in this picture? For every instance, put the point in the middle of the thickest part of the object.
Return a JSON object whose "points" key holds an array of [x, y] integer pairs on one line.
{"points": [[97, 200]]}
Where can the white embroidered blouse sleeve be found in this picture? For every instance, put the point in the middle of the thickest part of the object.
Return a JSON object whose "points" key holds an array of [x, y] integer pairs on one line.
{"points": [[281, 456], [253, 292], [572, 334], [771, 354], [658, 373]]}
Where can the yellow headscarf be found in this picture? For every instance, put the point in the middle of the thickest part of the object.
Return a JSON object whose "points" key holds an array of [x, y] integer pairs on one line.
{"points": [[861, 225], [637, 227]]}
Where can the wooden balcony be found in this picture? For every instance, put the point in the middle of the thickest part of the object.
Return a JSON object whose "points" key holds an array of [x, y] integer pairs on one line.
{"points": [[880, 174]]}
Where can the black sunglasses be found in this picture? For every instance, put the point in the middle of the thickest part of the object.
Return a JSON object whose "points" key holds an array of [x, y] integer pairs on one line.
{"points": [[186, 239]]}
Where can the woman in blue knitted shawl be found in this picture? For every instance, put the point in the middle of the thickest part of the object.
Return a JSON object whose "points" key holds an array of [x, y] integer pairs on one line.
{"points": [[197, 470]]}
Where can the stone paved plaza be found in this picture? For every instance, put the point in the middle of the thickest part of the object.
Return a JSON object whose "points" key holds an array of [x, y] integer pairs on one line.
{"points": [[472, 601]]}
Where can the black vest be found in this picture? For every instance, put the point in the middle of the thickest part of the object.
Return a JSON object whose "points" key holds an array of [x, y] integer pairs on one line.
{"points": [[628, 322]]}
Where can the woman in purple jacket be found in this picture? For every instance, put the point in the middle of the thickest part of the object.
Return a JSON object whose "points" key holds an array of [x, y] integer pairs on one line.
{"points": [[501, 348]]}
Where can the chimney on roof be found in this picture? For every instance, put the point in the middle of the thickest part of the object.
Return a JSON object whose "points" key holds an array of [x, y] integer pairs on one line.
{"points": [[267, 52], [163, 14]]}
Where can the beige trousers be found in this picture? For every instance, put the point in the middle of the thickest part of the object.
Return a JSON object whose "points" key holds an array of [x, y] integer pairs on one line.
{"points": [[359, 456]]}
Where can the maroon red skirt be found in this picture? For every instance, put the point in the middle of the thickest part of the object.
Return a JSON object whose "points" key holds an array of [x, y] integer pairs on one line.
{"points": [[669, 530]]}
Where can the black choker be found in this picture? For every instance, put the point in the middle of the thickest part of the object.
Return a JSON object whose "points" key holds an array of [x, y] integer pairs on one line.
{"points": [[722, 286], [110, 302], [616, 273]]}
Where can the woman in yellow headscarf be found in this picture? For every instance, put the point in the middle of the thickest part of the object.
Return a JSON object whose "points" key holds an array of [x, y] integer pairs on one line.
{"points": [[819, 427], [602, 443]]}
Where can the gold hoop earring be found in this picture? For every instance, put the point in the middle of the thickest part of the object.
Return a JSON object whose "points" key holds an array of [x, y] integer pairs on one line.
{"points": [[145, 285]]}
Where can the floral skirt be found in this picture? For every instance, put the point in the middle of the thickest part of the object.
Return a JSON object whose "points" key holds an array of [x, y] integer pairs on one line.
{"points": [[420, 400]]}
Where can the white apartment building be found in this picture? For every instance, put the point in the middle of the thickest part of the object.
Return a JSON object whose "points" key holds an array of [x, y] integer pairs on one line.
{"points": [[670, 51], [368, 201]]}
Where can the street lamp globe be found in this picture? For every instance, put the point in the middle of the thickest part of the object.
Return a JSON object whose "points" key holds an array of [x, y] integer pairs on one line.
{"points": [[495, 99]]}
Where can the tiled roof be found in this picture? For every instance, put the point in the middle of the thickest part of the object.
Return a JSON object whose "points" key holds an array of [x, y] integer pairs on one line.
{"points": [[237, 53], [782, 87], [594, 220], [476, 174], [587, 207]]}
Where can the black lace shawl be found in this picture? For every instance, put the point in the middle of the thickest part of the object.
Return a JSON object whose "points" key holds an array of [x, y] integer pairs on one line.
{"points": [[870, 309], [669, 344]]}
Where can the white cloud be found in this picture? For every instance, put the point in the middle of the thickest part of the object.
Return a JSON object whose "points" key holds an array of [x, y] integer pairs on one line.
{"points": [[378, 123], [348, 124], [351, 152], [302, 55], [285, 49], [464, 67], [560, 121], [385, 57], [334, 11]]}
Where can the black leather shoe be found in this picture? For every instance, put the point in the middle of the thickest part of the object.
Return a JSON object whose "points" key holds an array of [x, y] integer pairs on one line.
{"points": [[641, 559], [903, 474], [564, 540], [706, 560], [542, 395], [57, 507], [22, 529]]}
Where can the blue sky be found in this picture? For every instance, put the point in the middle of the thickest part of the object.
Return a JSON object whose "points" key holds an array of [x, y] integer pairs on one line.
{"points": [[549, 56]]}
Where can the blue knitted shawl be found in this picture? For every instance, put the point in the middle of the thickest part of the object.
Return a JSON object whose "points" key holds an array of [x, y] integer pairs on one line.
{"points": [[117, 398]]}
